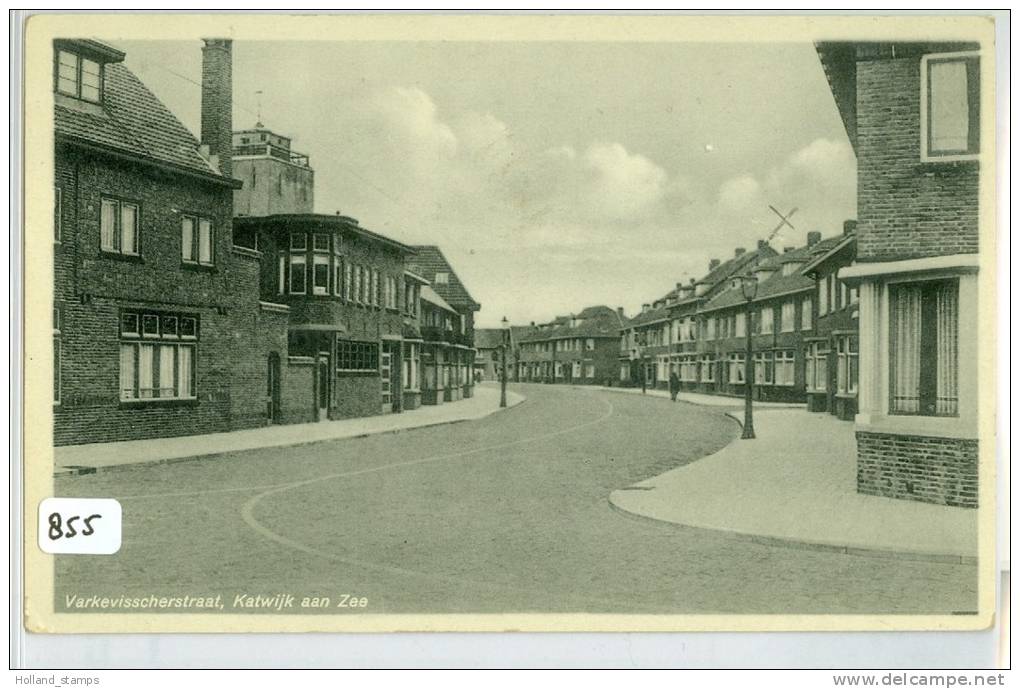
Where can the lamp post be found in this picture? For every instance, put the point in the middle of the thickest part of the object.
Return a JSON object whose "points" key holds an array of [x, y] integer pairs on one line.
{"points": [[749, 286], [640, 339], [502, 352]]}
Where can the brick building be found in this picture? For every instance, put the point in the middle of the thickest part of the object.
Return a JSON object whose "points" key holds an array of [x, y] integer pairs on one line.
{"points": [[448, 327], [913, 115], [782, 313], [831, 350], [578, 349], [276, 178], [341, 287], [487, 353], [157, 326]]}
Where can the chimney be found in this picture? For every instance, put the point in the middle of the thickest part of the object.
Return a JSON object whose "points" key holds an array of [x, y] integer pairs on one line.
{"points": [[692, 282], [788, 249], [217, 102], [762, 244], [619, 312], [645, 307], [713, 264], [813, 238], [739, 251], [849, 226]]}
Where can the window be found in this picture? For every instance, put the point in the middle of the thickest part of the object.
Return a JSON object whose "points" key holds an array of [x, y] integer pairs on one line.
{"points": [[375, 287], [357, 356], [689, 369], [740, 325], [442, 278], [784, 373], [338, 277], [196, 240], [320, 242], [589, 344], [79, 77], [805, 314], [923, 350], [411, 365], [789, 316], [57, 219], [297, 274], [846, 364], [159, 363], [357, 285], [831, 306], [823, 295], [281, 284], [118, 227], [767, 315], [298, 241], [736, 368], [790, 267], [950, 106], [763, 368], [348, 282], [589, 371], [816, 367], [710, 331], [320, 274]]}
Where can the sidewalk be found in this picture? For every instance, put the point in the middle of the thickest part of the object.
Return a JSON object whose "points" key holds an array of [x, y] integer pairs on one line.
{"points": [[699, 398], [796, 484], [79, 459]]}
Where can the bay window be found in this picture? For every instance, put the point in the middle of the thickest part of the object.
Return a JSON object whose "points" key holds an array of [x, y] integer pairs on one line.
{"points": [[320, 274]]}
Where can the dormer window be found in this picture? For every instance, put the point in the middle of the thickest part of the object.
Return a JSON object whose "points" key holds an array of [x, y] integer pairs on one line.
{"points": [[790, 268], [442, 278], [79, 77]]}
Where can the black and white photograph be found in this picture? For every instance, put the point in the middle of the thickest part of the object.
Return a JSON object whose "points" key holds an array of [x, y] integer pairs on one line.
{"points": [[691, 328]]}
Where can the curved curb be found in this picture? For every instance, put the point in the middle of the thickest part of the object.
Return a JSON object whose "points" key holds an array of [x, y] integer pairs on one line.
{"points": [[799, 544], [77, 470]]}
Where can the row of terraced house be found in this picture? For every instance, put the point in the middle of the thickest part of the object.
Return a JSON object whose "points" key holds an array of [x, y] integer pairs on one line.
{"points": [[875, 323], [196, 291]]}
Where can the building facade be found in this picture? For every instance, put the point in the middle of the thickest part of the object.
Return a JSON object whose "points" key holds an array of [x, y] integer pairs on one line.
{"points": [[276, 179], [448, 328], [913, 116], [580, 349], [156, 314], [341, 286]]}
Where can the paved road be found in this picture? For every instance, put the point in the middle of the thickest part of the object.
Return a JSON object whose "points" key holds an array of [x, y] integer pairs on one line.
{"points": [[507, 514]]}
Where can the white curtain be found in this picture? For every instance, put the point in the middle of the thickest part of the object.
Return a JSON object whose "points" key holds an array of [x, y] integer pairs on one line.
{"points": [[166, 370], [204, 241], [127, 371], [145, 370], [184, 371], [128, 225], [187, 238], [108, 225], [947, 308], [907, 345]]}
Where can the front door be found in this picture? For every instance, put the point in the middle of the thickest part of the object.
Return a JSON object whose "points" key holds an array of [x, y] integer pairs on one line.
{"points": [[323, 387], [387, 382], [273, 389]]}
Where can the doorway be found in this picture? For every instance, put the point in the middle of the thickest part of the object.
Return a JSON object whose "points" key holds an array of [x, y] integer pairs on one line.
{"points": [[322, 382], [273, 388]]}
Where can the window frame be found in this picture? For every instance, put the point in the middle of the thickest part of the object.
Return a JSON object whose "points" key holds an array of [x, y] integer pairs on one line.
{"points": [[78, 70], [196, 238], [118, 237], [177, 340], [974, 106]]}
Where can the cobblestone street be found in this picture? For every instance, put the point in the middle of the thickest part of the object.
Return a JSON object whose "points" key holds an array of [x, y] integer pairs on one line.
{"points": [[505, 514]]}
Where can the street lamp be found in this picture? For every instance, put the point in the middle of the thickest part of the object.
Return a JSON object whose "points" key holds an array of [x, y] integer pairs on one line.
{"points": [[749, 286], [502, 352]]}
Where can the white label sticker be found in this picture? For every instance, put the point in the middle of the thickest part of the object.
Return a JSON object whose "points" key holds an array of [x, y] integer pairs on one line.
{"points": [[86, 526]]}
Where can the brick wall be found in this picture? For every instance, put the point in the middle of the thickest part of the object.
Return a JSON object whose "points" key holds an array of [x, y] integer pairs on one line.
{"points": [[906, 209], [936, 470], [356, 395], [297, 391]]}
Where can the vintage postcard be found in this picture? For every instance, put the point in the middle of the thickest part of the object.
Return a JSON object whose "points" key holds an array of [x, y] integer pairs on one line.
{"points": [[558, 323]]}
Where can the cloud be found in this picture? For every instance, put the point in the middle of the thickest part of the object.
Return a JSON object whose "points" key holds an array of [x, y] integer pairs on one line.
{"points": [[739, 194]]}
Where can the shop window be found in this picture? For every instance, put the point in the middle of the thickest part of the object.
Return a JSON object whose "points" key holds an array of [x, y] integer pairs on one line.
{"points": [[923, 349]]}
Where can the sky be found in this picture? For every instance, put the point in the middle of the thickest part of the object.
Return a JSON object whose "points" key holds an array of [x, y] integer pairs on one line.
{"points": [[554, 176]]}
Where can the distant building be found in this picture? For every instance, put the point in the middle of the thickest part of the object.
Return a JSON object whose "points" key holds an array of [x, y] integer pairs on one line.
{"points": [[157, 326], [577, 349], [448, 328], [276, 179], [831, 349], [912, 113]]}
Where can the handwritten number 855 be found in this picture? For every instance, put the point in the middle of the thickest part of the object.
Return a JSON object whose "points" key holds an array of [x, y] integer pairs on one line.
{"points": [[56, 522]]}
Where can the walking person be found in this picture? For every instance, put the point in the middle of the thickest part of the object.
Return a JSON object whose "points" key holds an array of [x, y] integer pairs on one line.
{"points": [[674, 386]]}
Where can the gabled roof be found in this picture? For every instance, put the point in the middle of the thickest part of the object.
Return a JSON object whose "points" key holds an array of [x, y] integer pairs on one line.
{"points": [[131, 121], [776, 283], [429, 261], [652, 315], [593, 321], [847, 245], [488, 338]]}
